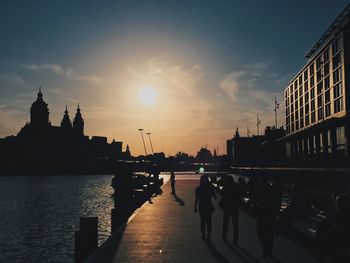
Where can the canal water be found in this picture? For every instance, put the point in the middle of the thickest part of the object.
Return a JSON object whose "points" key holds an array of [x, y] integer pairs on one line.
{"points": [[39, 215]]}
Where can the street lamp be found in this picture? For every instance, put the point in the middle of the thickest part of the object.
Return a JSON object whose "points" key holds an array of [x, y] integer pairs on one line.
{"points": [[150, 141], [143, 140]]}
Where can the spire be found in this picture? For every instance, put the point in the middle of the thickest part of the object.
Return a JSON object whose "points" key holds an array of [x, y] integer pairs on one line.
{"points": [[127, 151], [78, 122], [65, 123], [237, 133], [40, 95]]}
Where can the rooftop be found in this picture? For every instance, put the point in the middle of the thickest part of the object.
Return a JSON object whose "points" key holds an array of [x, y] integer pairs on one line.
{"points": [[338, 21]]}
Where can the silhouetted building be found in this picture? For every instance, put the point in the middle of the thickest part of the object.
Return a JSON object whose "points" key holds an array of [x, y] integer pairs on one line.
{"points": [[41, 147], [274, 149], [244, 150], [317, 99], [204, 156]]}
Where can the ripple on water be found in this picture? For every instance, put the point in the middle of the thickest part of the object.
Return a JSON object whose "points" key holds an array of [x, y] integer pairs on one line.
{"points": [[39, 215]]}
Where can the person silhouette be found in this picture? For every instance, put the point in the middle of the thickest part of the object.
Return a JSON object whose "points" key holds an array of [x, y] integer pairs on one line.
{"points": [[172, 181], [229, 203], [267, 204], [203, 201]]}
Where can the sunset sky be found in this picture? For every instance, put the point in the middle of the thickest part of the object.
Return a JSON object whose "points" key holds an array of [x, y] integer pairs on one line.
{"points": [[206, 66]]}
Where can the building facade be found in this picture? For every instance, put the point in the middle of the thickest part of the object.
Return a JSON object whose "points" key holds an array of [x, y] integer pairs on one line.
{"points": [[317, 100], [40, 147]]}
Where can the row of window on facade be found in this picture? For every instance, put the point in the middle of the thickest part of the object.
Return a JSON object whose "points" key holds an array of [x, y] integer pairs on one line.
{"points": [[300, 97], [319, 143]]}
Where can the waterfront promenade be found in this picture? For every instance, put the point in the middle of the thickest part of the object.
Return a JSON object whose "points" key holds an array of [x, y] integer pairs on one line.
{"points": [[168, 231]]}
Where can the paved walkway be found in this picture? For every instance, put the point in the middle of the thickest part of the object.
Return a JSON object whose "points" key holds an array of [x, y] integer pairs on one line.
{"points": [[168, 231]]}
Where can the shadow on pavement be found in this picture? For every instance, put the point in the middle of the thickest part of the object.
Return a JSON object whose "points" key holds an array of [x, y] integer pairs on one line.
{"points": [[218, 256], [179, 200], [241, 256]]}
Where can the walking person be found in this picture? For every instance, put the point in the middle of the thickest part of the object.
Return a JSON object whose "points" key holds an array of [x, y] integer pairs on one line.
{"points": [[203, 203], [229, 203], [172, 181], [266, 205]]}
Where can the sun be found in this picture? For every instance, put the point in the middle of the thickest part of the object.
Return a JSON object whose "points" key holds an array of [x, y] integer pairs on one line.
{"points": [[148, 96]]}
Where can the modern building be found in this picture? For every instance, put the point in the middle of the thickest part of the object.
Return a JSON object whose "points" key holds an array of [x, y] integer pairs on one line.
{"points": [[317, 100], [41, 147]]}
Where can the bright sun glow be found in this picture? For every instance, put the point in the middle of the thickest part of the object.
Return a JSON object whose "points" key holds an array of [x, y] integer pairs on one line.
{"points": [[148, 96]]}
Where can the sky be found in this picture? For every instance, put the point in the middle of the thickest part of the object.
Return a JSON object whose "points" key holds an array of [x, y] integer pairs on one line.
{"points": [[208, 67]]}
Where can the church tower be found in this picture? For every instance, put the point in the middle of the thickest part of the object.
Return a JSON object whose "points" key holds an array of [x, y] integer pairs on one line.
{"points": [[78, 122], [65, 123], [39, 112]]}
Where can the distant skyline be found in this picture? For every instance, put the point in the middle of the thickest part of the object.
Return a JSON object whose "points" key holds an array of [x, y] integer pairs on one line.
{"points": [[189, 72]]}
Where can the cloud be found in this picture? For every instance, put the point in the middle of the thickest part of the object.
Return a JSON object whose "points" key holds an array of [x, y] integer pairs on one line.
{"points": [[67, 72], [164, 70], [251, 88], [12, 78]]}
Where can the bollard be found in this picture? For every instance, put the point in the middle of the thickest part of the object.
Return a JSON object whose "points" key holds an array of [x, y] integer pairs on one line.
{"points": [[86, 238], [114, 223]]}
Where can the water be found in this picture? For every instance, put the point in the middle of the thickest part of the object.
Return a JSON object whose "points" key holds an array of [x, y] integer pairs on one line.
{"points": [[39, 215]]}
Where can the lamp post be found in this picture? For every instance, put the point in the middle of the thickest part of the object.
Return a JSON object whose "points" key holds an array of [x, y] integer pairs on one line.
{"points": [[258, 122], [150, 141], [277, 105], [143, 140]]}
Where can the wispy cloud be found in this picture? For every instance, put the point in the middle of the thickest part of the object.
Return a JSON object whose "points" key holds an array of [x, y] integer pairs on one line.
{"points": [[67, 72], [251, 88], [11, 78]]}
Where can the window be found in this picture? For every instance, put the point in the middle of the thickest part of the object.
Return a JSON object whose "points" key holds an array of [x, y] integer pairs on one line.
{"points": [[301, 123], [319, 88], [320, 114], [312, 105], [300, 79], [319, 101], [307, 121], [292, 108], [296, 105], [336, 46], [338, 105], [337, 90], [326, 55], [306, 97], [336, 61], [326, 69], [341, 139], [326, 83], [313, 117], [328, 109], [300, 90], [301, 101], [318, 62], [296, 114], [307, 108], [312, 93], [311, 68], [319, 75], [305, 75], [327, 96], [312, 81], [297, 125], [301, 111], [296, 94], [337, 75], [306, 86]]}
